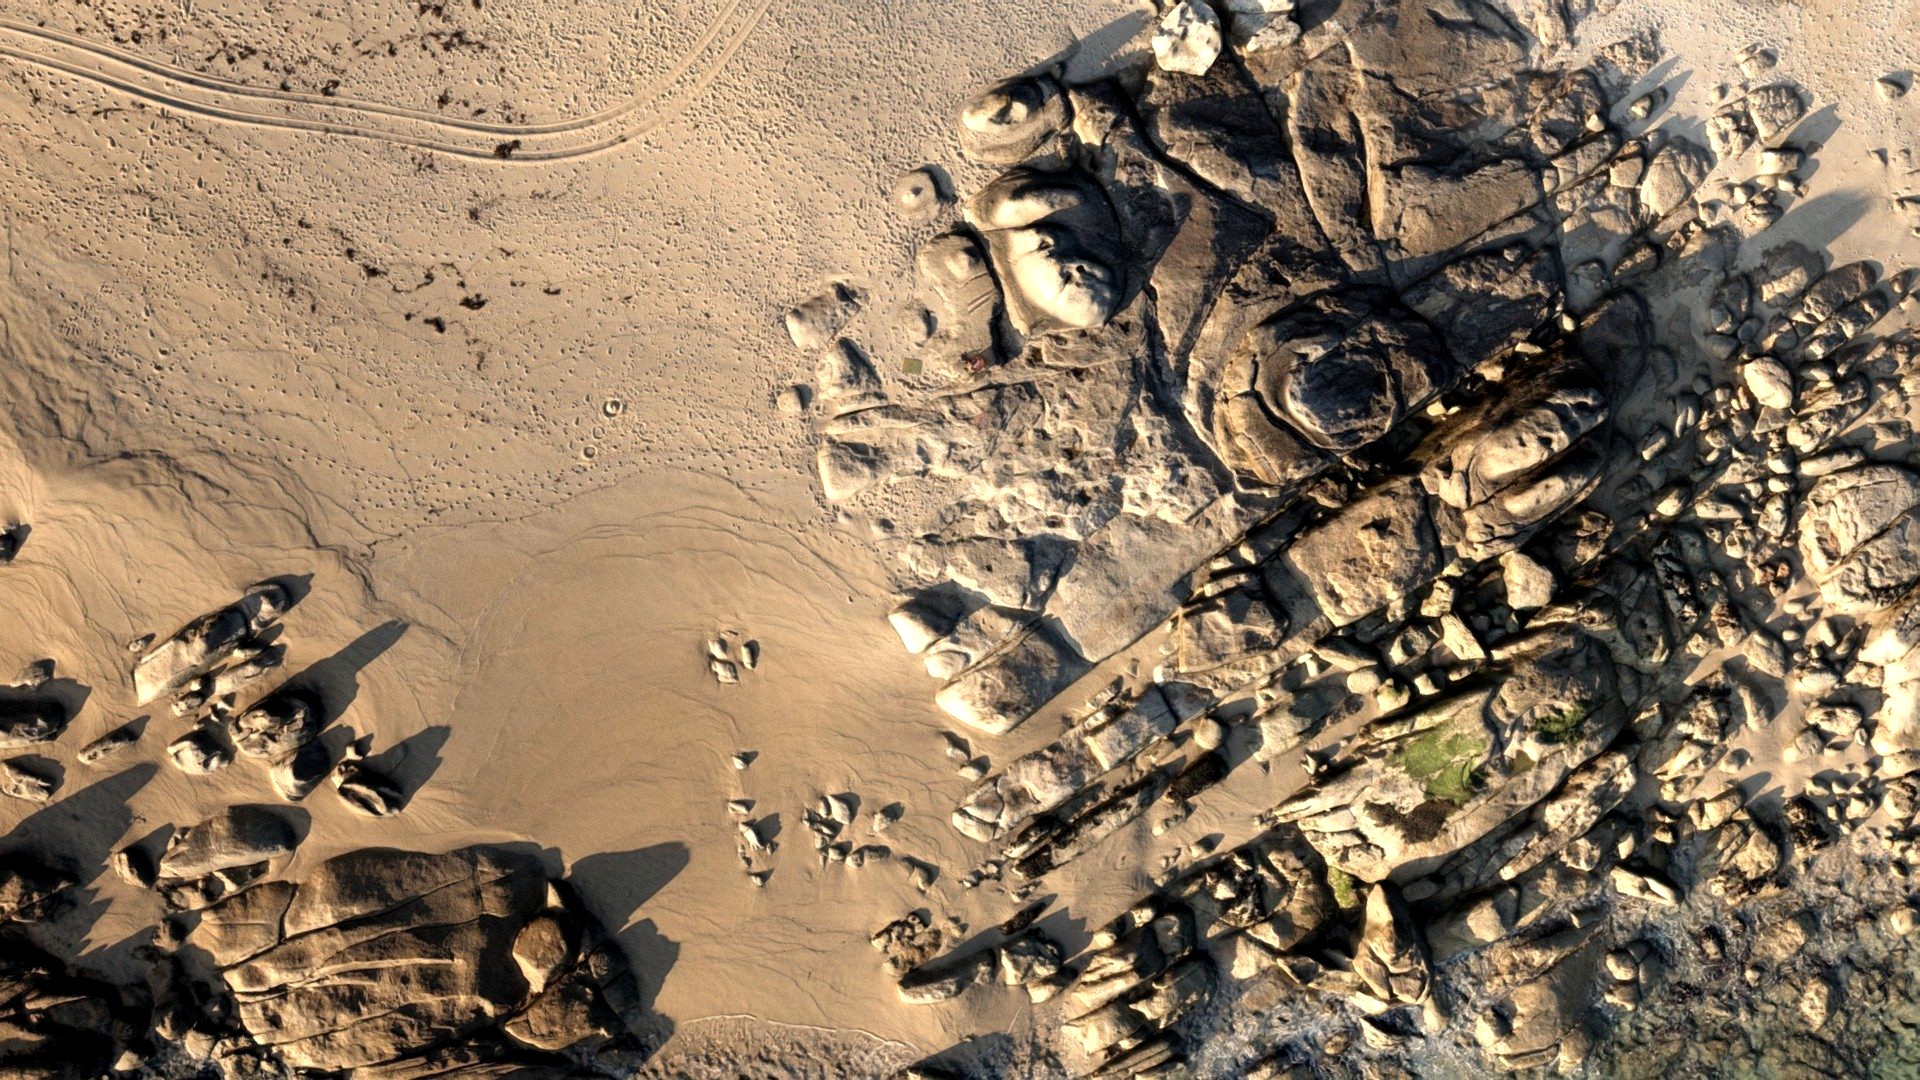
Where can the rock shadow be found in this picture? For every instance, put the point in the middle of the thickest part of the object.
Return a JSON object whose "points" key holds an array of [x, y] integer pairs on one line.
{"points": [[614, 886], [75, 835], [297, 586], [335, 681], [69, 695], [412, 761]]}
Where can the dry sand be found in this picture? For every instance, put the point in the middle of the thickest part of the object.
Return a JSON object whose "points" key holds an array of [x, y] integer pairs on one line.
{"points": [[516, 418]]}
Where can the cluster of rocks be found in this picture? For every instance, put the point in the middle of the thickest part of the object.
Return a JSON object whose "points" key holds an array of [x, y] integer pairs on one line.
{"points": [[726, 659], [379, 963], [206, 667], [1456, 445], [32, 715], [375, 963], [1021, 955], [833, 824]]}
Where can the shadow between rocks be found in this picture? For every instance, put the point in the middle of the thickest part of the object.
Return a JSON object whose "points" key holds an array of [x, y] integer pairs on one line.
{"points": [[614, 886], [75, 835]]}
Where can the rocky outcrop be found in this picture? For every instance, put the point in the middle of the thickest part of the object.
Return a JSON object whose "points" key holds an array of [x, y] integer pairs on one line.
{"points": [[391, 963], [56, 1023], [378, 963], [1501, 438]]}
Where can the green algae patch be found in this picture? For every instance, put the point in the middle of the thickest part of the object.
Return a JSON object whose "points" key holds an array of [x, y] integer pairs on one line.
{"points": [[1565, 726], [1346, 892], [1445, 762]]}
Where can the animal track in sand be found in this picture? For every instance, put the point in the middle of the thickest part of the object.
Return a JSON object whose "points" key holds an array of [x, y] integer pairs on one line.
{"points": [[219, 99]]}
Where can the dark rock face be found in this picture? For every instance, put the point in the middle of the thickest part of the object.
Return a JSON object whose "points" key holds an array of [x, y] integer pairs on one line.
{"points": [[54, 1024]]}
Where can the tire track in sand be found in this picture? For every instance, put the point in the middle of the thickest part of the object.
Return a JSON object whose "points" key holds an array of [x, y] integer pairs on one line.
{"points": [[217, 99]]}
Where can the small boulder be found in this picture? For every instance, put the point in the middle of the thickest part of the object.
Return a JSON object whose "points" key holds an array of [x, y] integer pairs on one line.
{"points": [[1769, 381], [235, 837]]}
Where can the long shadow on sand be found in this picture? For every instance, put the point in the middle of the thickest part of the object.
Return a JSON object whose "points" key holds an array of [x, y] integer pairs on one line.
{"points": [[75, 835], [614, 886], [335, 680]]}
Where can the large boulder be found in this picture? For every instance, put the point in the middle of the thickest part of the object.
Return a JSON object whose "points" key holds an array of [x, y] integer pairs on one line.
{"points": [[1858, 533], [201, 645], [382, 956], [1371, 551]]}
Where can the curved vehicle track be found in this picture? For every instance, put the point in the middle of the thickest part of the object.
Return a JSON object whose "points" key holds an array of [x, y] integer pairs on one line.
{"points": [[213, 98]]}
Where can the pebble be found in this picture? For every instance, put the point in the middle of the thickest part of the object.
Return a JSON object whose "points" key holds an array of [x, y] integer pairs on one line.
{"points": [[1901, 920]]}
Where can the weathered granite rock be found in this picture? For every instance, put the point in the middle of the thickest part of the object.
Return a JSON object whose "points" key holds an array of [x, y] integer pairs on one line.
{"points": [[1002, 690], [112, 742], [370, 792], [29, 721], [1013, 120], [1188, 40], [1370, 552], [1047, 778], [1390, 957], [278, 724], [235, 837], [204, 643], [27, 779], [380, 957]]}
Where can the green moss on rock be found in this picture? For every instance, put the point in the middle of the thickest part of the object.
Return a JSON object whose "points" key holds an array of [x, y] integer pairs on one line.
{"points": [[1445, 762]]}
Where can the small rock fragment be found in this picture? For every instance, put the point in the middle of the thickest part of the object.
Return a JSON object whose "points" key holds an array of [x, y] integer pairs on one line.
{"points": [[22, 781], [119, 738], [1188, 39]]}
